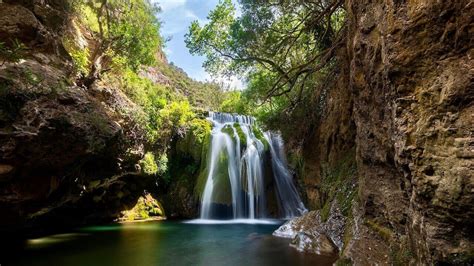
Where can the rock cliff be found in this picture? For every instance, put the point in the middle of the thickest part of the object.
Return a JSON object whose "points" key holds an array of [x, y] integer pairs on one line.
{"points": [[404, 104], [70, 154]]}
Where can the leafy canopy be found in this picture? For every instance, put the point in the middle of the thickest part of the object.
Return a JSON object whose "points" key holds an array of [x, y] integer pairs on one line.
{"points": [[281, 47], [127, 30]]}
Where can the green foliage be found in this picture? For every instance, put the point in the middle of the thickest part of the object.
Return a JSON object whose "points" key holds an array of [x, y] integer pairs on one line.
{"points": [[174, 118], [12, 52], [200, 130], [203, 95], [80, 56], [283, 48], [145, 208], [234, 103], [162, 163], [338, 184], [151, 97], [148, 164], [154, 166], [125, 30]]}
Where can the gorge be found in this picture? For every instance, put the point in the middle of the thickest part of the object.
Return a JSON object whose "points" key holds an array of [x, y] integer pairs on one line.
{"points": [[349, 143]]}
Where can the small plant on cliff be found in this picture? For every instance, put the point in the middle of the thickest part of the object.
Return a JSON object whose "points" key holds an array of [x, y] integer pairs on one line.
{"points": [[80, 56], [148, 164], [174, 118], [152, 165], [11, 53]]}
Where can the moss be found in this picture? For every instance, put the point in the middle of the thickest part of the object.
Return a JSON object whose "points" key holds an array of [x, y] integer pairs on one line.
{"points": [[297, 162], [401, 254], [228, 130], [195, 139], [240, 133], [348, 233], [145, 208], [325, 211], [203, 171], [259, 135], [339, 183], [381, 230], [221, 180], [343, 262]]}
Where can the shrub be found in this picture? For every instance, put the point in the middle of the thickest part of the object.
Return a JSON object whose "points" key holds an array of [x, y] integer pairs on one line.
{"points": [[80, 56], [11, 53], [148, 164]]}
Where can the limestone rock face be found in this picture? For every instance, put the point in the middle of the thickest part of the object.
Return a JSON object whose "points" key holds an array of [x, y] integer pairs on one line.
{"points": [[64, 151], [413, 84], [405, 105]]}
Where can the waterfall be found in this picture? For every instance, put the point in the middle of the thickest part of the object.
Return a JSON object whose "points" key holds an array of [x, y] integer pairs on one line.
{"points": [[243, 164]]}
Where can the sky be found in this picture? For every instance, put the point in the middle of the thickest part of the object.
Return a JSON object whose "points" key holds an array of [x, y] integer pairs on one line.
{"points": [[176, 17]]}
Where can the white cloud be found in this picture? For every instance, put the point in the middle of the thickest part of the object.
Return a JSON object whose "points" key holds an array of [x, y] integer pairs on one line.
{"points": [[232, 83], [167, 5], [190, 14], [168, 51]]}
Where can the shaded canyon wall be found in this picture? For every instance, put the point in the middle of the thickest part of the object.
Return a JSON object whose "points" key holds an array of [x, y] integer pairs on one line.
{"points": [[403, 106]]}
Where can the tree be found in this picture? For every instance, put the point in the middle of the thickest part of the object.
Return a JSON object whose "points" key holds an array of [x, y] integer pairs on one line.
{"points": [[127, 33], [281, 44]]}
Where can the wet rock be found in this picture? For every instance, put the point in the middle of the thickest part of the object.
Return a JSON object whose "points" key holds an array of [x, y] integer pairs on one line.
{"points": [[313, 243], [310, 234]]}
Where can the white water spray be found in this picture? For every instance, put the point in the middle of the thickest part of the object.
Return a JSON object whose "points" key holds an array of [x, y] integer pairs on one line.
{"points": [[238, 152]]}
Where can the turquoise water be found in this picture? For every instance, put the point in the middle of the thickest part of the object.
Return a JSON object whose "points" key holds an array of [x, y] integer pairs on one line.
{"points": [[166, 243]]}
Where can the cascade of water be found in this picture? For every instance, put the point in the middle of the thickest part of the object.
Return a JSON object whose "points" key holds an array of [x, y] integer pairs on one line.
{"points": [[289, 201], [237, 159]]}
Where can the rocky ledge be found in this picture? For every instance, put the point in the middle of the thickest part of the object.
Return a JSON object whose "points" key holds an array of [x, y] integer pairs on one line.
{"points": [[312, 235]]}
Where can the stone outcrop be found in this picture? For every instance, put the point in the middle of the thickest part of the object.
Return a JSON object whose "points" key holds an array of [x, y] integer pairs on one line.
{"points": [[413, 84], [405, 105], [65, 151]]}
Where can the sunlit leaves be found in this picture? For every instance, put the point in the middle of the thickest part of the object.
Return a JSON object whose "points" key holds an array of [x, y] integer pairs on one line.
{"points": [[127, 29], [281, 47]]}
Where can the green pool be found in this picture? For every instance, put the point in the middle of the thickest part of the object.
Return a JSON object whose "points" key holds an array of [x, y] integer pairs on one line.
{"points": [[166, 243]]}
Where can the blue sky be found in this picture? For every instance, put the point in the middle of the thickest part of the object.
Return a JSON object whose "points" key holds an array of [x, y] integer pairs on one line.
{"points": [[176, 16]]}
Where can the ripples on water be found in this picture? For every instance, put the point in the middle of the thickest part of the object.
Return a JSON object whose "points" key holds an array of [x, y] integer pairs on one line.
{"points": [[195, 242]]}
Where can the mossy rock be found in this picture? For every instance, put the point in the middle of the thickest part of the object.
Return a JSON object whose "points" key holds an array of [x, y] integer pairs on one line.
{"points": [[196, 139], [146, 207], [222, 195], [338, 183], [259, 135], [241, 134]]}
